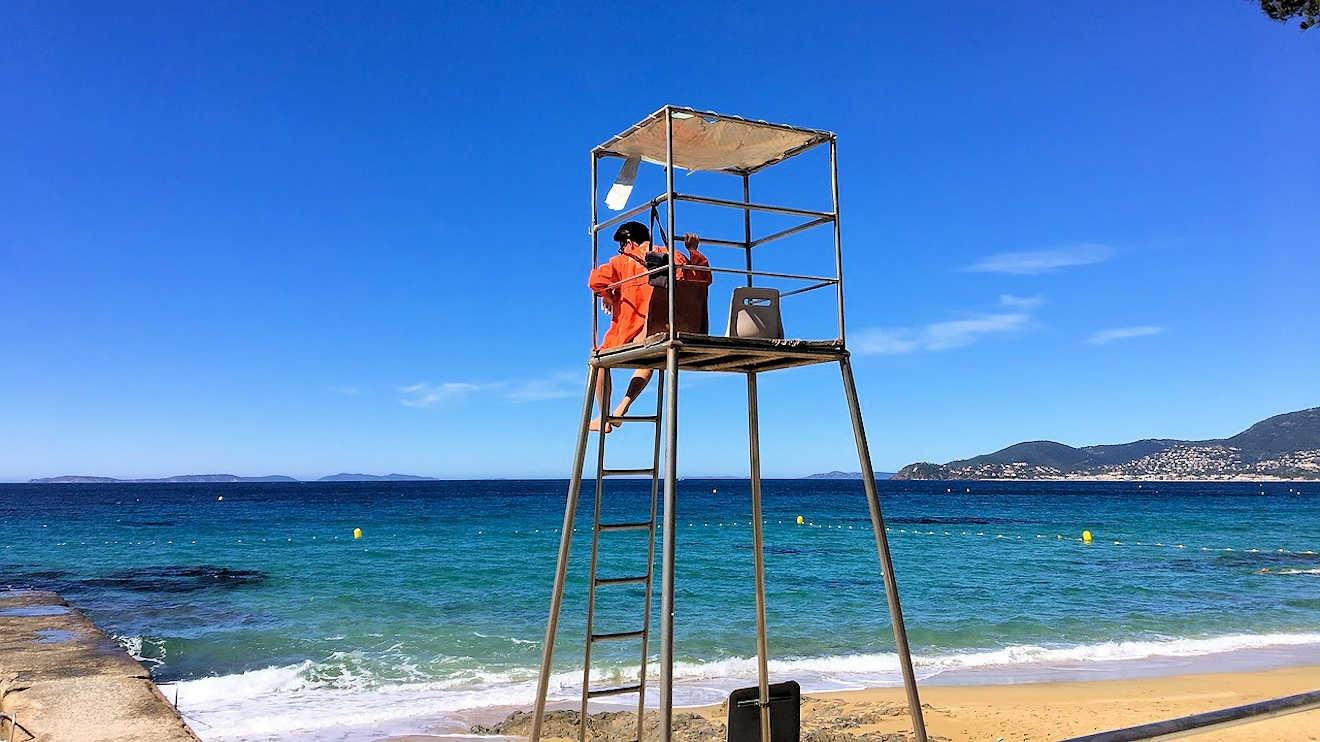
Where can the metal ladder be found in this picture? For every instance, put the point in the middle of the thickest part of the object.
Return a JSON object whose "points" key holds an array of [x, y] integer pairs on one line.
{"points": [[595, 581]]}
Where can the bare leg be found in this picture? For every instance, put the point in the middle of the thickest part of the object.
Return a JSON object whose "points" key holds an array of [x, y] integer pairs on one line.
{"points": [[636, 385], [602, 398], [640, 378]]}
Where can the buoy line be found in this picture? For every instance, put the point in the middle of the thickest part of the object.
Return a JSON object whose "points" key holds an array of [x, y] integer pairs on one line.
{"points": [[1085, 536]]}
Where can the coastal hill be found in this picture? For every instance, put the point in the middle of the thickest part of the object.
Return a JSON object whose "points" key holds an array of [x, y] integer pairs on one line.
{"points": [[1284, 447], [226, 478], [847, 475]]}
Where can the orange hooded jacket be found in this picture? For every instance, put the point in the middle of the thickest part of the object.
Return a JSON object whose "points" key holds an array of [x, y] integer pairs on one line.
{"points": [[630, 299]]}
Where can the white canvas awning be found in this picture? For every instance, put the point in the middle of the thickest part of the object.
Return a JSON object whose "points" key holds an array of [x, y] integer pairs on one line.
{"points": [[710, 141]]}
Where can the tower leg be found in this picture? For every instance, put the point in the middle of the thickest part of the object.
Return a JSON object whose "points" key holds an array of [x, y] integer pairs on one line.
{"points": [[882, 546], [758, 556], [561, 566], [667, 564]]}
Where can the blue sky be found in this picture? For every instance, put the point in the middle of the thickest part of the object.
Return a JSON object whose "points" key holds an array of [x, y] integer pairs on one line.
{"points": [[300, 239]]}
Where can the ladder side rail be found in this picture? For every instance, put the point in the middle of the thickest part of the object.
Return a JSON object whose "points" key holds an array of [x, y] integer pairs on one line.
{"points": [[561, 564], [595, 551], [650, 554], [882, 547]]}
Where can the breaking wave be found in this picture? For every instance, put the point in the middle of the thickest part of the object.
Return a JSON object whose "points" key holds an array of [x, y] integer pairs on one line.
{"points": [[341, 697]]}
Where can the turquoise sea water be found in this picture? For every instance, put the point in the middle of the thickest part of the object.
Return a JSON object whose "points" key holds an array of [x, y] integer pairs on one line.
{"points": [[271, 622]]}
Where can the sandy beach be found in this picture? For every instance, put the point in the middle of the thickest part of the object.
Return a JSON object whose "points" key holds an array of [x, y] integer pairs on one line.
{"points": [[1011, 713], [1046, 711]]}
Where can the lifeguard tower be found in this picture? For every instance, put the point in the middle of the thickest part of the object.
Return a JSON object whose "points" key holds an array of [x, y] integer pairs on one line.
{"points": [[677, 137]]}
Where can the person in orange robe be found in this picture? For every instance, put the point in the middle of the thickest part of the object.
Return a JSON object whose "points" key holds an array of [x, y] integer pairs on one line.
{"points": [[627, 302]]}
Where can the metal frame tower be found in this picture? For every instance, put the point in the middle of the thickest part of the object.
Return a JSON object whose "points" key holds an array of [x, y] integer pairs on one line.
{"points": [[679, 137]]}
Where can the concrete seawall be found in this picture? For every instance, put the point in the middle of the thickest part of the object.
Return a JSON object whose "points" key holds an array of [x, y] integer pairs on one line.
{"points": [[65, 681]]}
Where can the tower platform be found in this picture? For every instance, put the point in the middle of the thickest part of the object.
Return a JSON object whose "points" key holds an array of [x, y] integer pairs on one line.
{"points": [[697, 352]]}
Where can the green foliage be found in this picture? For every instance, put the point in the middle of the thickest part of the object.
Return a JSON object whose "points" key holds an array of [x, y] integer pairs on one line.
{"points": [[1285, 10]]}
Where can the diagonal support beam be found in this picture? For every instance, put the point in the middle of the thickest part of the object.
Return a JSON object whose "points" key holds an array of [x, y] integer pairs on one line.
{"points": [[882, 546]]}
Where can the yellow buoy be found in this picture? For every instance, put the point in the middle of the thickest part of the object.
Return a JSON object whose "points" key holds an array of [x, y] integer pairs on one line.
{"points": [[357, 533], [801, 520], [1086, 537]]}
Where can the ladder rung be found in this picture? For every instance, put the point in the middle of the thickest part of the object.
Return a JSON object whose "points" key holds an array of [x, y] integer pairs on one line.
{"points": [[614, 691], [633, 419], [618, 635], [627, 472], [621, 580], [642, 526]]}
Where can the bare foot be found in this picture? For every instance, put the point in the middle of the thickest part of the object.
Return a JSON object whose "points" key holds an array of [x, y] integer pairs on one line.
{"points": [[621, 410], [595, 426]]}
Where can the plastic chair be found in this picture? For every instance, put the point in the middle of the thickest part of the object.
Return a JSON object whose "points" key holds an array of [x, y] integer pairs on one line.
{"points": [[754, 313]]}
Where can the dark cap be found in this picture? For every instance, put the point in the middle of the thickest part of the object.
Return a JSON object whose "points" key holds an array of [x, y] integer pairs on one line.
{"points": [[632, 231]]}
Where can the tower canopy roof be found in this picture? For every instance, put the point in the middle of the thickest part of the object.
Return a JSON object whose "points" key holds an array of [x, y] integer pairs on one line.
{"points": [[710, 141]]}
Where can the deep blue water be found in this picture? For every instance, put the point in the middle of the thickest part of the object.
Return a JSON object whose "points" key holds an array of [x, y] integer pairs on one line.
{"points": [[279, 623]]}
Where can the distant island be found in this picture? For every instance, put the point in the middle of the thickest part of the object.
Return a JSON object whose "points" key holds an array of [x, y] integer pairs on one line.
{"points": [[1281, 447], [341, 477], [848, 475], [226, 478]]}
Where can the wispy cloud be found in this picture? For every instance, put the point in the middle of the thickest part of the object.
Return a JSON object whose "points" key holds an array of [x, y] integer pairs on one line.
{"points": [[939, 335], [556, 386], [424, 394], [1041, 261], [1020, 302], [1123, 333]]}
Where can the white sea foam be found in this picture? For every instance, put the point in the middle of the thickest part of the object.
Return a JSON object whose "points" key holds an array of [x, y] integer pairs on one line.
{"points": [[338, 699], [147, 651]]}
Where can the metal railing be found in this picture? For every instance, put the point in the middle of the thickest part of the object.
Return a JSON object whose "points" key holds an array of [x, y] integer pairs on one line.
{"points": [[671, 197], [821, 281]]}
